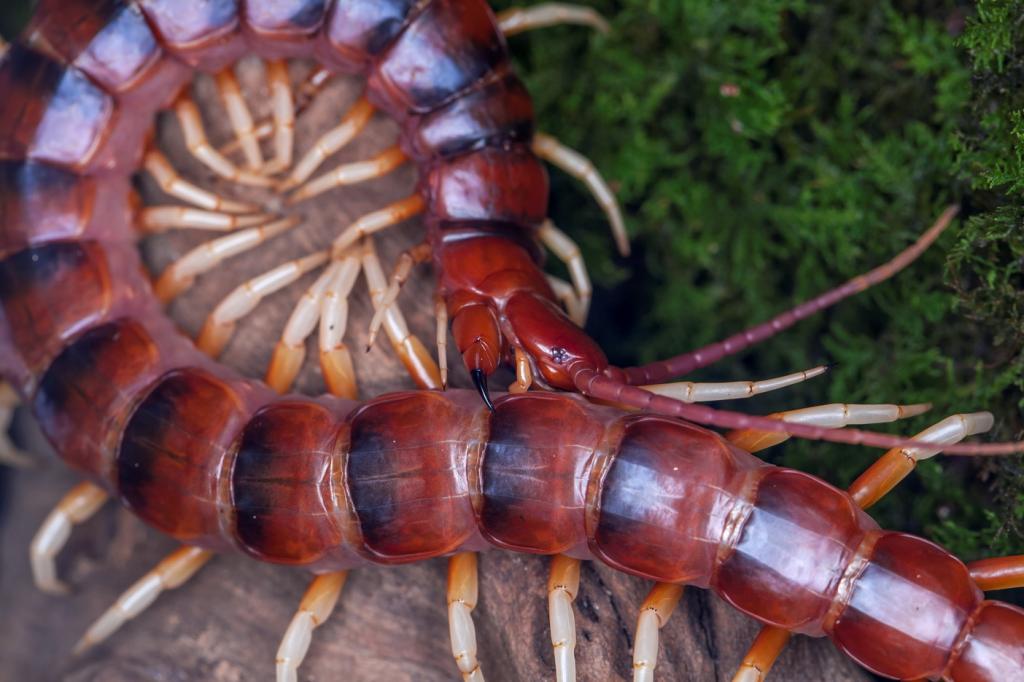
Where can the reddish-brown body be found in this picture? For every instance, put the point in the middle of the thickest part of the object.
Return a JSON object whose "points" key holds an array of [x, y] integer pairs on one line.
{"points": [[221, 462]]}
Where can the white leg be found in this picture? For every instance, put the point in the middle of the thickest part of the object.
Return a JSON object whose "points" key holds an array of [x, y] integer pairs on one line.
{"points": [[182, 273], [165, 175], [220, 324], [661, 601], [376, 221], [566, 250], [350, 174], [566, 295], [403, 269], [520, 19], [195, 139], [580, 167], [441, 315], [330, 142], [154, 219], [691, 392], [240, 117], [563, 585], [170, 573], [315, 608], [462, 598], [284, 116], [76, 507], [335, 359]]}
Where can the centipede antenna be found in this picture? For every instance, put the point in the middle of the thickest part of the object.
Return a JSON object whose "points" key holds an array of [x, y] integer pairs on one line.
{"points": [[462, 598], [330, 143], [707, 355], [10, 455], [578, 166], [316, 607], [563, 586], [161, 218], [480, 381], [76, 507], [658, 606], [350, 174], [568, 252], [168, 179], [170, 573], [519, 19], [871, 486], [240, 117]]}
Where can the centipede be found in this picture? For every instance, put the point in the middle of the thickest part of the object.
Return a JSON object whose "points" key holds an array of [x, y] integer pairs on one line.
{"points": [[579, 461]]}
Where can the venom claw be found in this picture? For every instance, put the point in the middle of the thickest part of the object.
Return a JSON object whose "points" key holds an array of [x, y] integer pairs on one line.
{"points": [[480, 381]]}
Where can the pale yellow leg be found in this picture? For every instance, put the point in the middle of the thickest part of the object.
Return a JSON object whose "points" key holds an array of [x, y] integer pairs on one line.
{"points": [[524, 373], [661, 601], [403, 269], [290, 351], [182, 273], [409, 349], [462, 598], [10, 455], [168, 179], [315, 608], [240, 117], [284, 116], [566, 295], [580, 167], [691, 392], [519, 19], [871, 486], [199, 146], [330, 142], [563, 586], [220, 324], [335, 358], [76, 507], [376, 221], [155, 219], [441, 315], [350, 174], [170, 573], [568, 252]]}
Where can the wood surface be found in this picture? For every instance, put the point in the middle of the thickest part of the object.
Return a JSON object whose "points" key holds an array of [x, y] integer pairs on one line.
{"points": [[391, 623]]}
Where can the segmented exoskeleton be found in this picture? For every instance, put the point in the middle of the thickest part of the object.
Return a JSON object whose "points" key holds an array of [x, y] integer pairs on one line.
{"points": [[222, 463]]}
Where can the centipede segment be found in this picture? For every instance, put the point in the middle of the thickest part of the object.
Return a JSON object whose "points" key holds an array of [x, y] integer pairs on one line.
{"points": [[222, 463]]}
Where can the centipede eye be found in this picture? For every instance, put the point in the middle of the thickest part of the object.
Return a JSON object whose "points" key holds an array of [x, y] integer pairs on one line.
{"points": [[480, 381]]}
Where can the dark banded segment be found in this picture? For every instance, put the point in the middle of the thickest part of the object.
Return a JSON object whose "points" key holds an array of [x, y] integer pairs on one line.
{"points": [[794, 548], [205, 34], [534, 473], [357, 32], [87, 394], [446, 48], [283, 28], [406, 475], [47, 295], [174, 452], [51, 112], [665, 500], [281, 484]]}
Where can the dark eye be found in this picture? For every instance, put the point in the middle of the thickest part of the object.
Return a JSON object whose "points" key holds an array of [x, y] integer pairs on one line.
{"points": [[560, 355]]}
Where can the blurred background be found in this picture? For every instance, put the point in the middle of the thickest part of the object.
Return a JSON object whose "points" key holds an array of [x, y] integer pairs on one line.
{"points": [[767, 150]]}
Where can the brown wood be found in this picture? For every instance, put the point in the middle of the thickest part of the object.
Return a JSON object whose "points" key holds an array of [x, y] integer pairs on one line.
{"points": [[391, 623]]}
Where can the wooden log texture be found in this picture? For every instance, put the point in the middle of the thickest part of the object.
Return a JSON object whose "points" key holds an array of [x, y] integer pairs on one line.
{"points": [[391, 624]]}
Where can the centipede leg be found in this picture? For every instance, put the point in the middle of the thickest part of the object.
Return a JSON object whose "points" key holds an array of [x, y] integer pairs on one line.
{"points": [[316, 607], [563, 586], [524, 373], [168, 179], [350, 174], [76, 507], [240, 117], [160, 218], [283, 107], [170, 573], [220, 324], [519, 19], [568, 252], [661, 601], [410, 350], [10, 455], [181, 274], [580, 167], [330, 143], [441, 315], [335, 358], [199, 146], [565, 293], [399, 276], [871, 486], [290, 350], [462, 598], [691, 392], [391, 215], [1003, 573]]}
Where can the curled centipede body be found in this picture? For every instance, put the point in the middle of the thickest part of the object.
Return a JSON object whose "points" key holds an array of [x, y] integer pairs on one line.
{"points": [[221, 463]]}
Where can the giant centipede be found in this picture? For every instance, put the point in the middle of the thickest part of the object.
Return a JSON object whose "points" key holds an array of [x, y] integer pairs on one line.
{"points": [[222, 463]]}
